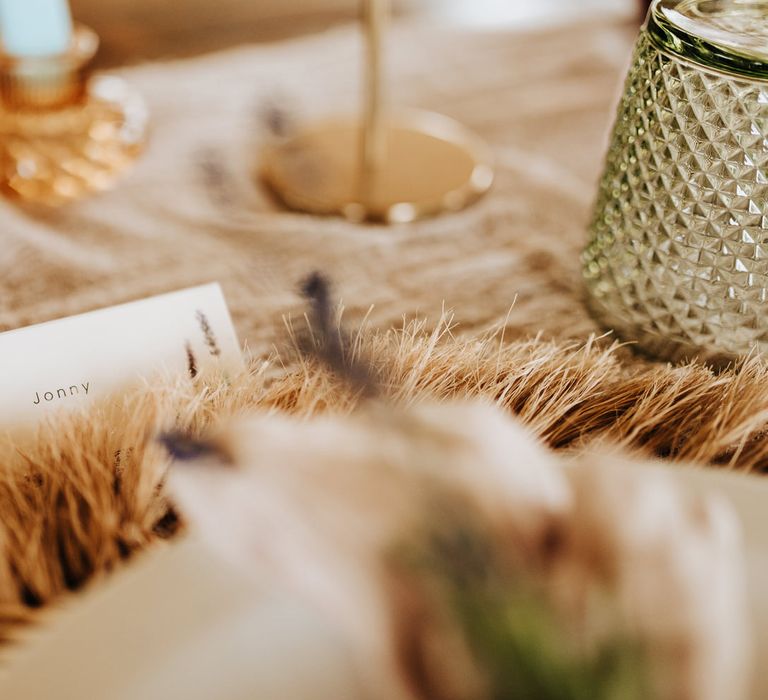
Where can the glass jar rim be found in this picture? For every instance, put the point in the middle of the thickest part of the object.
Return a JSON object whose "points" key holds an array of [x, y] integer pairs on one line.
{"points": [[726, 35]]}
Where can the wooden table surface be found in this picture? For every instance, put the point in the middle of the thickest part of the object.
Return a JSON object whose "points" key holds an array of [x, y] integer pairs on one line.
{"points": [[133, 31]]}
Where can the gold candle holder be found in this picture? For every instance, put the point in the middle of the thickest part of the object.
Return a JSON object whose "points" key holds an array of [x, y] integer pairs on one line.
{"points": [[379, 167], [63, 133]]}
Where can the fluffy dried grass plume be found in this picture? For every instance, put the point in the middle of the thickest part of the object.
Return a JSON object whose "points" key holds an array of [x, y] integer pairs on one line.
{"points": [[318, 508], [676, 564], [85, 492]]}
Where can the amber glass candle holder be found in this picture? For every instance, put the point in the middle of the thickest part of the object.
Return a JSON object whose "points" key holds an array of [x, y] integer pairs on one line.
{"points": [[65, 133]]}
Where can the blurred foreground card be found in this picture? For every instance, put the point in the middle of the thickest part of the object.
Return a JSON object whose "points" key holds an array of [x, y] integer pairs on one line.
{"points": [[65, 363]]}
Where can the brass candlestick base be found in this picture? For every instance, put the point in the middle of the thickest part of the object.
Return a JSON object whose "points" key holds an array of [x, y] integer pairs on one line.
{"points": [[64, 135], [430, 164], [379, 167]]}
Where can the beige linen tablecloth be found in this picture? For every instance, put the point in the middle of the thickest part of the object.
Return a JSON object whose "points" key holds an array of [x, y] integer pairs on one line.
{"points": [[191, 211]]}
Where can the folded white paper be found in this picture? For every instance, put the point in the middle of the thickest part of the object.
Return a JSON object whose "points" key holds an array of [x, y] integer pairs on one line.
{"points": [[70, 361]]}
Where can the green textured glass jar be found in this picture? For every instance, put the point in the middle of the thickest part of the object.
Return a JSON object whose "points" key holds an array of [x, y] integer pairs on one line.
{"points": [[678, 255]]}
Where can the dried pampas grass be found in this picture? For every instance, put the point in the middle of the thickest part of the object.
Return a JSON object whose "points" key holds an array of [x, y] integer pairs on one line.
{"points": [[458, 560], [85, 491]]}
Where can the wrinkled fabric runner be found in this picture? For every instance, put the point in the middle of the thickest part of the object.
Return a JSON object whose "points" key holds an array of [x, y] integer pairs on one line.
{"points": [[191, 213]]}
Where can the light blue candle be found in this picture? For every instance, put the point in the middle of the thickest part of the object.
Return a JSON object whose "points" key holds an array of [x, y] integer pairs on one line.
{"points": [[32, 28]]}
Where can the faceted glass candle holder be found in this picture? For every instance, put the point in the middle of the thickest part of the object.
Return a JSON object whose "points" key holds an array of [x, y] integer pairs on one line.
{"points": [[63, 133], [678, 256]]}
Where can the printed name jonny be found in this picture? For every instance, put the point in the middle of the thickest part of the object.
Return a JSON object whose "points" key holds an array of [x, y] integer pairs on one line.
{"points": [[62, 393]]}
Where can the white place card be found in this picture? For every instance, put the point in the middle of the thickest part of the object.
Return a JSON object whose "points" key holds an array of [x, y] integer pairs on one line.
{"points": [[68, 362]]}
